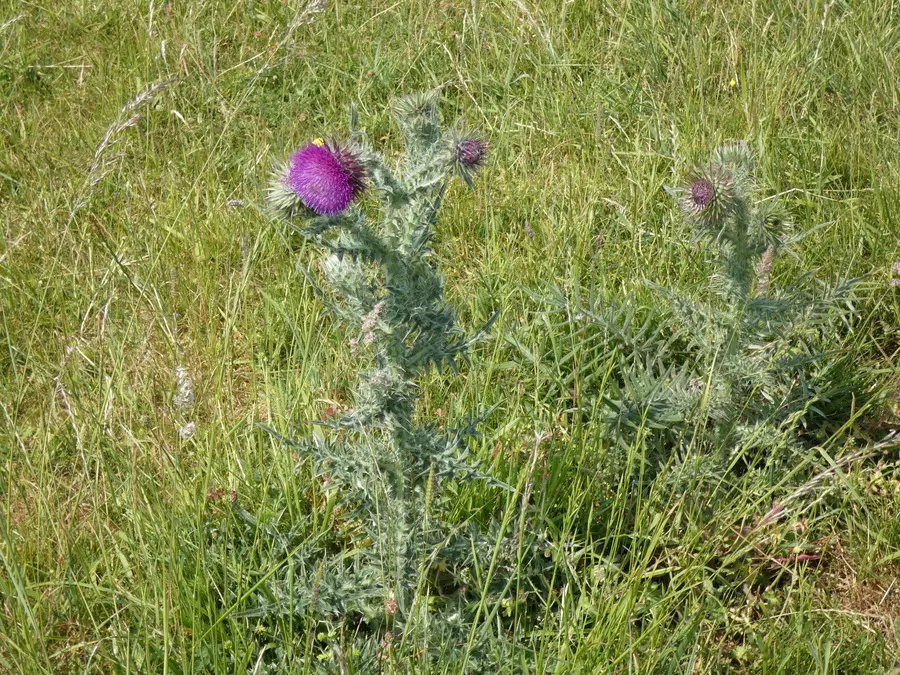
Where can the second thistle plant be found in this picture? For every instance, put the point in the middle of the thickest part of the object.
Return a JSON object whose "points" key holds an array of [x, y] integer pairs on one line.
{"points": [[727, 378], [386, 288], [757, 349]]}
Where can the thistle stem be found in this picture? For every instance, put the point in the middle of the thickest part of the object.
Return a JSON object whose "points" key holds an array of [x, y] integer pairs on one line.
{"points": [[739, 264]]}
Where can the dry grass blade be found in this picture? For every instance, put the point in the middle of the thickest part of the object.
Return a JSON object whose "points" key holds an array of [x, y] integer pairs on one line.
{"points": [[9, 22]]}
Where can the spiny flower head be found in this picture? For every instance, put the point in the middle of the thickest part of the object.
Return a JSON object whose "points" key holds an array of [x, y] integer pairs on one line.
{"points": [[708, 195], [471, 152], [326, 176], [703, 193]]}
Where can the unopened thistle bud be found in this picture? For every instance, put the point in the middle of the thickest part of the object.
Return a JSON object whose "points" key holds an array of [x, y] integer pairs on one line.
{"points": [[736, 155], [326, 177]]}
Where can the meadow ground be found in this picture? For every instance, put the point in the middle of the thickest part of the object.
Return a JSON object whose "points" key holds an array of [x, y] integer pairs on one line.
{"points": [[136, 139]]}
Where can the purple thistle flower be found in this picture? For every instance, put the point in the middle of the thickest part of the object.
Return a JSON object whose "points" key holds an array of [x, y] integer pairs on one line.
{"points": [[468, 153], [471, 153], [708, 195], [703, 193], [326, 177]]}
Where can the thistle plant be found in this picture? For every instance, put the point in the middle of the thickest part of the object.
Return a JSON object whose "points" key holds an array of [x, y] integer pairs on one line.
{"points": [[731, 377], [758, 350], [376, 226]]}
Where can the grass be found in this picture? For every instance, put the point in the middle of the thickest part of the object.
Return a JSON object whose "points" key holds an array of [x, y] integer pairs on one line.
{"points": [[122, 260]]}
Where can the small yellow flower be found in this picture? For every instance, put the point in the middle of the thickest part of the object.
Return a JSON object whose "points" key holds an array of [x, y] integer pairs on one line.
{"points": [[732, 83], [318, 141]]}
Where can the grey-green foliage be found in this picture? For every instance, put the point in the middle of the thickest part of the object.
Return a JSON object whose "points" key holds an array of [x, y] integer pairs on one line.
{"points": [[388, 469], [759, 348], [731, 373]]}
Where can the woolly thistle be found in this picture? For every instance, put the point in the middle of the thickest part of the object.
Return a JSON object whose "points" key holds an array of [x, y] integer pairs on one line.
{"points": [[389, 469]]}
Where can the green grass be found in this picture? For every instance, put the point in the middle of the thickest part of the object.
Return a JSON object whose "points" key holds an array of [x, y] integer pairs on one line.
{"points": [[107, 285]]}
